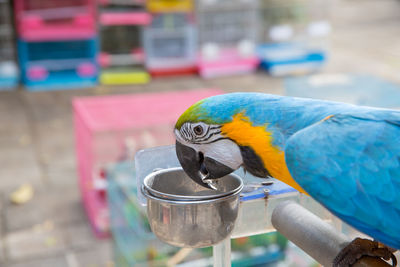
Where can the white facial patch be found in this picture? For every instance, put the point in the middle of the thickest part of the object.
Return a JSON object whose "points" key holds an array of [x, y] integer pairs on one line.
{"points": [[224, 151], [179, 138]]}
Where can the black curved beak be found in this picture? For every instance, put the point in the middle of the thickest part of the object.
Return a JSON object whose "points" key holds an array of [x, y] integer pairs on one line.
{"points": [[198, 167]]}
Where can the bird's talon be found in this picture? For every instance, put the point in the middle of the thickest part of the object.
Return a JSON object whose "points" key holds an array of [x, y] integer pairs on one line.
{"points": [[363, 247]]}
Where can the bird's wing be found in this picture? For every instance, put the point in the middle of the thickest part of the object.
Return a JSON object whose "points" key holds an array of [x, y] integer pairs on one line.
{"points": [[351, 165]]}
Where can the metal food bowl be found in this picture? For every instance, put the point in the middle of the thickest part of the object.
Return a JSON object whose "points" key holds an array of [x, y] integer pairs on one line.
{"points": [[185, 214]]}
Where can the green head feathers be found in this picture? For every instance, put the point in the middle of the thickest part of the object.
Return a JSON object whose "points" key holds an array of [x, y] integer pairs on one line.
{"points": [[192, 114], [217, 109]]}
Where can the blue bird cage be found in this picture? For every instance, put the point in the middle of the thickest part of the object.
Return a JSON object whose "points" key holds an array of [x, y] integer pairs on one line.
{"points": [[293, 35], [51, 65]]}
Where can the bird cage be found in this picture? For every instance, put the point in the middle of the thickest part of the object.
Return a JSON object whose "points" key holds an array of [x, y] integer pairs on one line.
{"points": [[170, 44], [293, 35], [109, 129], [39, 20], [122, 56], [227, 36], [167, 6], [133, 239], [8, 66], [58, 64]]}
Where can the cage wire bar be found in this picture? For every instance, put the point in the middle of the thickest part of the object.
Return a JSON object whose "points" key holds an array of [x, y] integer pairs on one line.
{"points": [[122, 4], [8, 65]]}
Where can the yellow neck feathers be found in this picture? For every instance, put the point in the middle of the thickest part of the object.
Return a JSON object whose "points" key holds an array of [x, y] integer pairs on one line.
{"points": [[260, 140]]}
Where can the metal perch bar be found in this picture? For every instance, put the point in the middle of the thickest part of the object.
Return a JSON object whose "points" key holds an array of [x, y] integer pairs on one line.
{"points": [[317, 238]]}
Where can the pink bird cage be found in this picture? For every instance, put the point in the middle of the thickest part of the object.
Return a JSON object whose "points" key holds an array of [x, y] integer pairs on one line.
{"points": [[106, 126], [55, 19], [227, 36]]}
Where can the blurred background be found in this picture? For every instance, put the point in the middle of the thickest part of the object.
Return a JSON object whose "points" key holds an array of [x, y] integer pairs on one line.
{"points": [[84, 84]]}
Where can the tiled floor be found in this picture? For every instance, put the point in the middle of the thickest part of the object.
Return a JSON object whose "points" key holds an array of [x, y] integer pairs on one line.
{"points": [[37, 145]]}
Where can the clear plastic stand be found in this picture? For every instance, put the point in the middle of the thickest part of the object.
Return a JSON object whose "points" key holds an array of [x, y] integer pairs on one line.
{"points": [[258, 199], [222, 254]]}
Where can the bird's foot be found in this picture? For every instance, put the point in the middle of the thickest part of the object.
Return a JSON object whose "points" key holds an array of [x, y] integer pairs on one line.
{"points": [[360, 247]]}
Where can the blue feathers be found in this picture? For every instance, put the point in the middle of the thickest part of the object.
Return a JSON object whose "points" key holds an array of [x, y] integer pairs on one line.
{"points": [[282, 115], [349, 162], [358, 157]]}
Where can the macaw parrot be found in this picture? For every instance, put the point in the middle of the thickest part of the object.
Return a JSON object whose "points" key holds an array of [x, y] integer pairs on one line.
{"points": [[346, 157]]}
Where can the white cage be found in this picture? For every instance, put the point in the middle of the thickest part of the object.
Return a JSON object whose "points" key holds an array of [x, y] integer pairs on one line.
{"points": [[227, 36], [170, 42]]}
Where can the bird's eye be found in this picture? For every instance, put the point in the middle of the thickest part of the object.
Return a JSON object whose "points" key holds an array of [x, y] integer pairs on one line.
{"points": [[198, 130]]}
